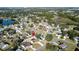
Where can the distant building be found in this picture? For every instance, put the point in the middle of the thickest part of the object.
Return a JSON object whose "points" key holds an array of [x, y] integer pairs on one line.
{"points": [[76, 39]]}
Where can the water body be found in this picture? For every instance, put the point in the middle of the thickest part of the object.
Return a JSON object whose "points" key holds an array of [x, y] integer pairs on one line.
{"points": [[6, 22]]}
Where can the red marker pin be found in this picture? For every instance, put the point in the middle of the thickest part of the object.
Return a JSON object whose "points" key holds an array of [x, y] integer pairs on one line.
{"points": [[33, 33]]}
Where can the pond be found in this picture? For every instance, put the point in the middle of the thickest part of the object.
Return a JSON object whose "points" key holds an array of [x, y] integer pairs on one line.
{"points": [[6, 22]]}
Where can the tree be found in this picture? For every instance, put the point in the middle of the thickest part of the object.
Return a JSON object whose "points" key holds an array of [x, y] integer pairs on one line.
{"points": [[72, 34], [38, 36], [76, 28], [51, 47], [49, 37]]}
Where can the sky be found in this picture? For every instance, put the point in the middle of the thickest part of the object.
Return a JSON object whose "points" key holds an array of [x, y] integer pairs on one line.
{"points": [[39, 3]]}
